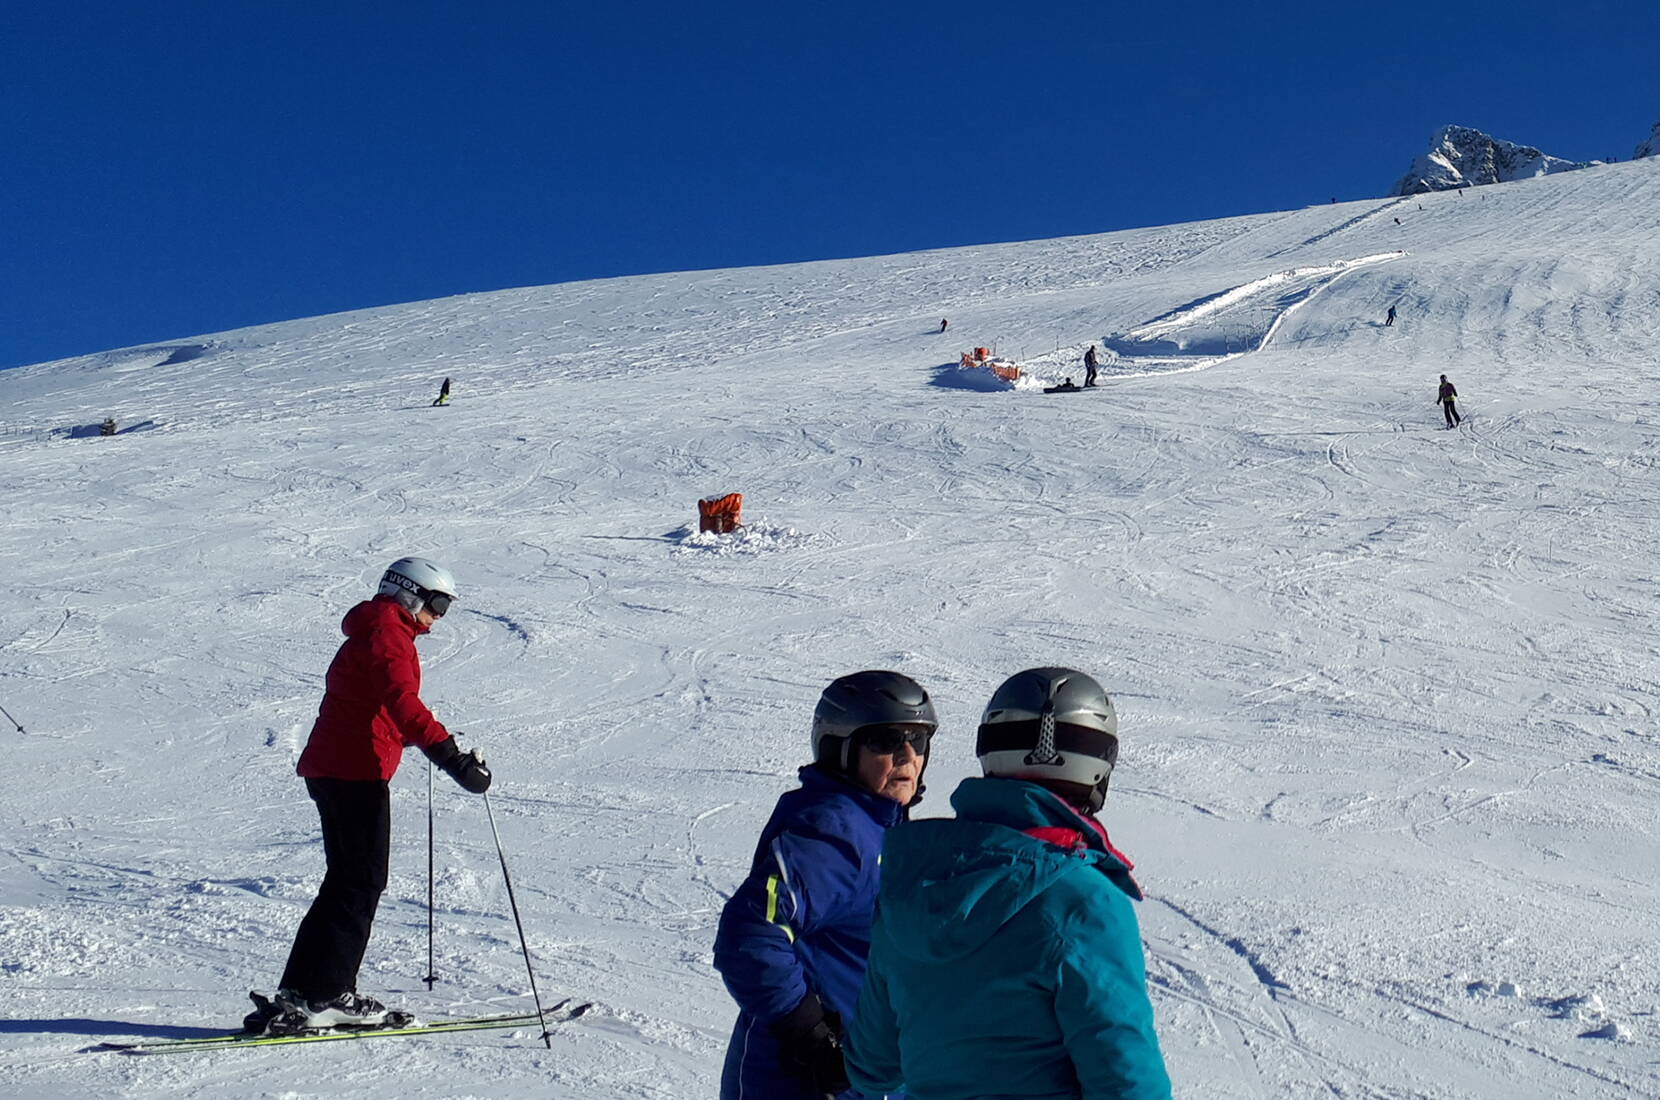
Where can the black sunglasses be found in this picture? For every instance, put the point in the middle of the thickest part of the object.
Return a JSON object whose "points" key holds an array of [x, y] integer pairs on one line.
{"points": [[438, 603], [885, 740]]}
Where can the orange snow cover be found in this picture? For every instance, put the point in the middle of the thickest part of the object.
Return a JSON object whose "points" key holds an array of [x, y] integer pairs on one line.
{"points": [[721, 515]]}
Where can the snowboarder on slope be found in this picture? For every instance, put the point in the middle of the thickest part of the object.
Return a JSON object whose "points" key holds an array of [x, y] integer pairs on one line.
{"points": [[1090, 363], [943, 322], [443, 394], [1447, 397], [371, 710], [1006, 959], [1389, 318], [793, 938]]}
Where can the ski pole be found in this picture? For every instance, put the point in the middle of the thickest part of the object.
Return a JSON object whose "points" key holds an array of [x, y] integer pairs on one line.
{"points": [[508, 879], [432, 971], [13, 721]]}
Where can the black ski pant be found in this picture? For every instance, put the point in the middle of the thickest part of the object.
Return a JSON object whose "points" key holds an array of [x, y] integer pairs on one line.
{"points": [[357, 836], [1451, 413]]}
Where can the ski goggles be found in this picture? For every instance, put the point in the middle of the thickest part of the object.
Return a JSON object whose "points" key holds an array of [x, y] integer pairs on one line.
{"points": [[886, 740], [1025, 734], [438, 603]]}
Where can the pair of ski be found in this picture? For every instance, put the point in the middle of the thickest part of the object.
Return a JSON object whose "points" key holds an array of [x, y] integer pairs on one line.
{"points": [[563, 1012]]}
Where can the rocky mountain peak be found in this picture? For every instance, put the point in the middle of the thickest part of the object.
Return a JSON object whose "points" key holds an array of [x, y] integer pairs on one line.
{"points": [[1462, 157]]}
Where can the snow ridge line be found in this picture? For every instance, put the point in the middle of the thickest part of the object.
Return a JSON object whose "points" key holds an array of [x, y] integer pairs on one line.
{"points": [[1350, 224]]}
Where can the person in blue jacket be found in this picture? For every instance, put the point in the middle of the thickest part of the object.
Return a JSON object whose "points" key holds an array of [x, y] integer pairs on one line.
{"points": [[793, 939], [1006, 960]]}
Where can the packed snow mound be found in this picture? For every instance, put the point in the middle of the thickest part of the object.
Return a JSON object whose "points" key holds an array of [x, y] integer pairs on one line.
{"points": [[1228, 323], [1651, 147], [758, 537], [1462, 157]]}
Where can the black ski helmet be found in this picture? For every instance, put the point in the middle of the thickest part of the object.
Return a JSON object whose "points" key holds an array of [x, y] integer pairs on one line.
{"points": [[1053, 726], [870, 698]]}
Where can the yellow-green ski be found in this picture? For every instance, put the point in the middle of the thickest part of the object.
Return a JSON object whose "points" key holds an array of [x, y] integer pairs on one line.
{"points": [[560, 1013]]}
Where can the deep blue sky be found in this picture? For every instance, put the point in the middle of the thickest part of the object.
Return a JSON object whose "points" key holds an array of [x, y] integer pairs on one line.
{"points": [[190, 166]]}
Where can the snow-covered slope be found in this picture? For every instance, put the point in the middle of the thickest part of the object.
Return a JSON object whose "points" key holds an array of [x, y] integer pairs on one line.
{"points": [[1461, 157], [1387, 692]]}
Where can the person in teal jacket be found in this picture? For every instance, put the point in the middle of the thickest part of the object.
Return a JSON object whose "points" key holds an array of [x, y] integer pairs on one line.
{"points": [[1006, 960]]}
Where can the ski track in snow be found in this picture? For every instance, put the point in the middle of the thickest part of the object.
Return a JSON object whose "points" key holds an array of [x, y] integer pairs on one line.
{"points": [[1387, 691]]}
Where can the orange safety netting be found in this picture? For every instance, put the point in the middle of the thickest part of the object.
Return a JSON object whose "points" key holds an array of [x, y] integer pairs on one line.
{"points": [[982, 357], [720, 514]]}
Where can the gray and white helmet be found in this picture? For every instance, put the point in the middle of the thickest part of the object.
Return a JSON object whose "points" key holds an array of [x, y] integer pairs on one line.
{"points": [[863, 699], [1053, 726], [416, 583]]}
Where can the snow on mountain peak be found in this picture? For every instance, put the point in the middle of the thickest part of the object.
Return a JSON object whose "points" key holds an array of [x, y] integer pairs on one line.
{"points": [[1462, 157], [1651, 147]]}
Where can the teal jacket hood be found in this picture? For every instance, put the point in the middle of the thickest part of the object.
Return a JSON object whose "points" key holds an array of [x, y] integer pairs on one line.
{"points": [[949, 885]]}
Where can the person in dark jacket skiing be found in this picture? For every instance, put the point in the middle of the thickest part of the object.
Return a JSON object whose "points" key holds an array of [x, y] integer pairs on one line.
{"points": [[1090, 363], [371, 710], [443, 394], [1447, 398], [1389, 318], [1006, 959], [793, 939]]}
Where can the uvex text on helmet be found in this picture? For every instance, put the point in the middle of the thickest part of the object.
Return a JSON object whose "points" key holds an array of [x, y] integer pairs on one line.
{"points": [[414, 581], [870, 698], [1051, 725]]}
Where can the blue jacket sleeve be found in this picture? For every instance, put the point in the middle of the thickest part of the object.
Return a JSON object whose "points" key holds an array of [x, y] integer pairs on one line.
{"points": [[799, 883], [1101, 1002], [873, 1038]]}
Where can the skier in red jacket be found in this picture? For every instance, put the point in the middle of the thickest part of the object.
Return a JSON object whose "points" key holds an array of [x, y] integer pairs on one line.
{"points": [[371, 710]]}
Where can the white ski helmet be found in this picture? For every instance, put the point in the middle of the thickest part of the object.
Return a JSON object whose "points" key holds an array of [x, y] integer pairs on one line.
{"points": [[1053, 726], [416, 583]]}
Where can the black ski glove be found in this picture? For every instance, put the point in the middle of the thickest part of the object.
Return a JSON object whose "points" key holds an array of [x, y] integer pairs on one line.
{"points": [[466, 768], [810, 1046]]}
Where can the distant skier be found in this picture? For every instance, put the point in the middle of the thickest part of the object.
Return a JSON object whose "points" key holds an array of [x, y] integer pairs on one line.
{"points": [[1090, 363], [1448, 398], [1389, 319], [943, 323], [443, 394], [371, 710], [793, 938], [1006, 959]]}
